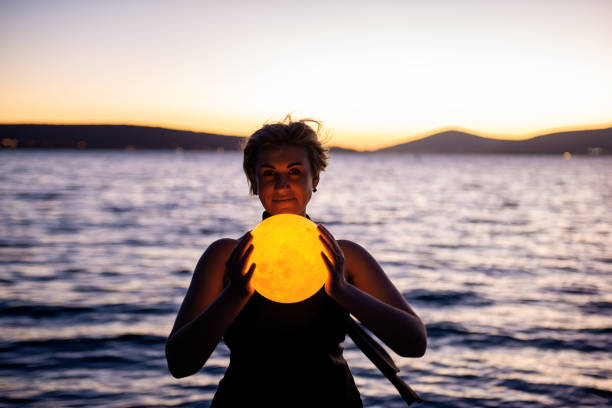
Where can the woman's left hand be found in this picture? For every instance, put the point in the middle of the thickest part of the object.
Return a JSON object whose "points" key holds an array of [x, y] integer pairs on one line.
{"points": [[336, 281]]}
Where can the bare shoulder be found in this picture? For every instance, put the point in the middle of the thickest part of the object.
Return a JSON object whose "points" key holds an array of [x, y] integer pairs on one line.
{"points": [[222, 245], [350, 247], [210, 269], [365, 273], [212, 261], [359, 264], [218, 250], [355, 254]]}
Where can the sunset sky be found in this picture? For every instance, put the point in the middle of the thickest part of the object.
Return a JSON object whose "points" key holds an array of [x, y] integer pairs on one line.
{"points": [[375, 72]]}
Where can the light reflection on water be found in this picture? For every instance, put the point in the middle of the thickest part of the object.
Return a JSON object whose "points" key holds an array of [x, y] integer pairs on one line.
{"points": [[507, 259]]}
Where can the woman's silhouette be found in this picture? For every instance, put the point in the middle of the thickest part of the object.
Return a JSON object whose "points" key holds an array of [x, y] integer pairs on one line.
{"points": [[287, 354]]}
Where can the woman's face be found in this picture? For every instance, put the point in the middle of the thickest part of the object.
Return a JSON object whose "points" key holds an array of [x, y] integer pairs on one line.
{"points": [[284, 179]]}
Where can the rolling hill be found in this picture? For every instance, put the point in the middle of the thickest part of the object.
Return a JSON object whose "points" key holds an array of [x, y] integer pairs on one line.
{"points": [[581, 142], [592, 142], [113, 137]]}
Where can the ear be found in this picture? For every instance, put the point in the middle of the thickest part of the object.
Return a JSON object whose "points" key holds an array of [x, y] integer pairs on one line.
{"points": [[315, 181]]}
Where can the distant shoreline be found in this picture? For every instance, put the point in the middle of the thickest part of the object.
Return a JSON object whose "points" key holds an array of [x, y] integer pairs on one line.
{"points": [[597, 142]]}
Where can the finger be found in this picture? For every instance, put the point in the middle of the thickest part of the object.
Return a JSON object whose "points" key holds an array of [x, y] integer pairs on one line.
{"points": [[331, 250], [249, 238], [249, 274], [237, 250], [246, 255], [330, 237], [323, 230], [238, 265], [244, 240], [327, 245], [325, 233], [324, 236], [242, 243], [330, 266]]}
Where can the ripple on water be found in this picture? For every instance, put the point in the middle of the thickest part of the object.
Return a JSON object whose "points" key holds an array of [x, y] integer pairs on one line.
{"points": [[446, 298], [452, 333], [96, 311], [597, 308], [39, 196], [579, 396]]}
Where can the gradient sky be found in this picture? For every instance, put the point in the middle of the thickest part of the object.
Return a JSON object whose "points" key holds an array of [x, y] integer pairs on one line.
{"points": [[375, 72]]}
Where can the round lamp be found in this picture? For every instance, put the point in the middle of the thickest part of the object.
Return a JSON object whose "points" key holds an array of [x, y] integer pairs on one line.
{"points": [[287, 254]]}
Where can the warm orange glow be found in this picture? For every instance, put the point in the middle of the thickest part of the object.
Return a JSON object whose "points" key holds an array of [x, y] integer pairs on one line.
{"points": [[366, 71], [287, 252]]}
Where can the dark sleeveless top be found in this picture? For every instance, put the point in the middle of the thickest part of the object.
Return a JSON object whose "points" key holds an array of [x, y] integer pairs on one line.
{"points": [[288, 354]]}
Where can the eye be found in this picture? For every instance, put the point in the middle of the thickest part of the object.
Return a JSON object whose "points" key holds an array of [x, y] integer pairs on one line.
{"points": [[294, 172], [267, 173]]}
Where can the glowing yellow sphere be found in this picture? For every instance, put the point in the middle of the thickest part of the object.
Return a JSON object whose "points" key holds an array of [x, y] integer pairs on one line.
{"points": [[287, 254]]}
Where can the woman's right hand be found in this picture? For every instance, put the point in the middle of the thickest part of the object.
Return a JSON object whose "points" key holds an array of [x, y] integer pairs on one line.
{"points": [[239, 281]]}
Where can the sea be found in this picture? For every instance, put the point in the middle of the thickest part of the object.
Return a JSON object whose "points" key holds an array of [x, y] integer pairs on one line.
{"points": [[507, 259]]}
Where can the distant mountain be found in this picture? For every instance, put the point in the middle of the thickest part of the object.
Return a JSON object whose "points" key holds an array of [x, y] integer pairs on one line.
{"points": [[593, 142], [112, 137], [336, 149]]}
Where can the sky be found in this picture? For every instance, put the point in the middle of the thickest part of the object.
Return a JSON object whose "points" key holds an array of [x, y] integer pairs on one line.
{"points": [[375, 73]]}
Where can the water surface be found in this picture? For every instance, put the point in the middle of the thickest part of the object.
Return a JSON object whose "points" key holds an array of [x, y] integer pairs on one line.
{"points": [[507, 259]]}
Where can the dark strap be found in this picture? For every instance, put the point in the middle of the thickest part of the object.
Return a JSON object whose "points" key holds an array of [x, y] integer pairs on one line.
{"points": [[381, 359]]}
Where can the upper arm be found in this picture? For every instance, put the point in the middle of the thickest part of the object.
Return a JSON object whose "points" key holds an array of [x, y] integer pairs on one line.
{"points": [[367, 275], [206, 282]]}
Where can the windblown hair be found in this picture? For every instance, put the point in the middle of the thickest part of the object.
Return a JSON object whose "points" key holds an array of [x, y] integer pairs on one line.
{"points": [[287, 131]]}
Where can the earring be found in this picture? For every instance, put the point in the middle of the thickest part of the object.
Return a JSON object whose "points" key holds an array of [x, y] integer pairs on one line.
{"points": [[314, 190]]}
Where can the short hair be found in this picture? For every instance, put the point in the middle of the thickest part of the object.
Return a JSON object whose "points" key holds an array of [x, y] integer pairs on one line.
{"points": [[287, 131]]}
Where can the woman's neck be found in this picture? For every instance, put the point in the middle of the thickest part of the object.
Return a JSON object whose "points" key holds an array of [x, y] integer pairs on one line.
{"points": [[267, 214]]}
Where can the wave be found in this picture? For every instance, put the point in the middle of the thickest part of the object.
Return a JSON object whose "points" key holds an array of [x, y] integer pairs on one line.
{"points": [[583, 340], [597, 308], [81, 344], [446, 298], [563, 394], [38, 196], [35, 310]]}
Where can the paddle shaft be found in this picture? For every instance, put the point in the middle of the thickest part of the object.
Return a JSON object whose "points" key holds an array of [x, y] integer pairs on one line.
{"points": [[381, 360]]}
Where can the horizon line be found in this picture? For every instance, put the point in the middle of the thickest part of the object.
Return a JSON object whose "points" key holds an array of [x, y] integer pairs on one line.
{"points": [[408, 139]]}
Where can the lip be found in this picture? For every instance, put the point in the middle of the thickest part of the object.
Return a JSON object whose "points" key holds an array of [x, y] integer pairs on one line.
{"points": [[281, 199]]}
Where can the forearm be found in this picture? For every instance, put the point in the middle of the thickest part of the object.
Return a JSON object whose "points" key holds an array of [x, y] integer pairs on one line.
{"points": [[399, 329], [190, 346]]}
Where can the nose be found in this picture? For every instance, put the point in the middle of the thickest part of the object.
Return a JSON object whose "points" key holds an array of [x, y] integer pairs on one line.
{"points": [[281, 181]]}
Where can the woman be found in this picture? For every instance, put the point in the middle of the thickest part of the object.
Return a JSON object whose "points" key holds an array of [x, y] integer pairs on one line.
{"points": [[286, 354]]}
